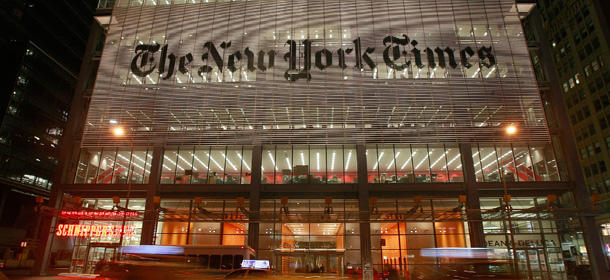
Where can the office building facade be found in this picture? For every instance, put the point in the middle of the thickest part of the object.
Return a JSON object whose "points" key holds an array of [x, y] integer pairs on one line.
{"points": [[347, 134]]}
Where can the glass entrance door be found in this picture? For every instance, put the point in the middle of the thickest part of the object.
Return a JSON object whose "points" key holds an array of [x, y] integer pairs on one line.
{"points": [[532, 264], [325, 262], [85, 259], [97, 254]]}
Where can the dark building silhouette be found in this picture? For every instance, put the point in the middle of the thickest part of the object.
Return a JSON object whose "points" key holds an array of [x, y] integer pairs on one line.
{"points": [[571, 61], [42, 44]]}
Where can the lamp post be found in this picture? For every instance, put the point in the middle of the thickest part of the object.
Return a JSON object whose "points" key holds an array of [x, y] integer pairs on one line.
{"points": [[120, 132], [510, 130]]}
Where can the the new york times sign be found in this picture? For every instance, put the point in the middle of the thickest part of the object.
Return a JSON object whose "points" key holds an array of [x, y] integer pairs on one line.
{"points": [[300, 61]]}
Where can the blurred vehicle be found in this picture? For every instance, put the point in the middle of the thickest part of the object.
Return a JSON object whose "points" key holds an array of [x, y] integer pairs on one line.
{"points": [[131, 270], [463, 272], [175, 262], [467, 263], [250, 273]]}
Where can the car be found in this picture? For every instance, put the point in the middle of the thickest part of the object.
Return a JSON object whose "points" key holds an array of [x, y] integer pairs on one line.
{"points": [[250, 273]]}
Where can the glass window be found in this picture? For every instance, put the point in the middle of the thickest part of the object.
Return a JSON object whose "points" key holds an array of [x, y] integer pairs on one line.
{"points": [[394, 163], [544, 164], [302, 164], [522, 164], [283, 160], [454, 165], [404, 163], [201, 163], [350, 166], [317, 154], [519, 162], [88, 166], [268, 168], [598, 148], [243, 162], [506, 159], [334, 164], [114, 166], [300, 161], [438, 162], [215, 262], [184, 175], [421, 162], [106, 174], [373, 156], [385, 165], [217, 165], [207, 165], [168, 173], [489, 164], [227, 262], [203, 261]]}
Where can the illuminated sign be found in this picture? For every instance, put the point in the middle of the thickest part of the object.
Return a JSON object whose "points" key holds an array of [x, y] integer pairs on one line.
{"points": [[259, 264], [399, 54], [408, 71], [101, 213], [77, 230], [522, 240]]}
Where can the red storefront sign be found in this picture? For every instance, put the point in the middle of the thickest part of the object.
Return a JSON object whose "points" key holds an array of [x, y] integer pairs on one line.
{"points": [[92, 230], [101, 213]]}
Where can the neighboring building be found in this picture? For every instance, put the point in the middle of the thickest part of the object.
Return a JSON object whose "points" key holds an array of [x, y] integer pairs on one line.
{"points": [[577, 43], [41, 46], [343, 134]]}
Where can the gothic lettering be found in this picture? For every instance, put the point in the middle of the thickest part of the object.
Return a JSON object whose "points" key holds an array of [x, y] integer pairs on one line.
{"points": [[250, 56], [232, 58], [466, 51], [215, 56], [360, 57], [291, 55], [328, 59], [395, 51], [417, 53], [485, 53], [144, 55], [399, 53], [183, 63], [341, 54]]}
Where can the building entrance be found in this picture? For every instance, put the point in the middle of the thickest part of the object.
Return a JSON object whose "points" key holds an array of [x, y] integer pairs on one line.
{"points": [[532, 264], [538, 264], [86, 258], [326, 261]]}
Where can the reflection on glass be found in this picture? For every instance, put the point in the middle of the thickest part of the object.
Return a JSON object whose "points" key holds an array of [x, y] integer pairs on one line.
{"points": [[207, 165], [518, 162], [414, 163], [112, 165], [88, 166], [301, 164]]}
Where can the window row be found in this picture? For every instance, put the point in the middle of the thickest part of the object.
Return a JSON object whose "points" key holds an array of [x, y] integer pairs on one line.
{"points": [[416, 163]]}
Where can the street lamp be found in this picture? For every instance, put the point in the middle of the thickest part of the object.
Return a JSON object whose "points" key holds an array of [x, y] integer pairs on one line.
{"points": [[510, 130], [120, 132]]}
